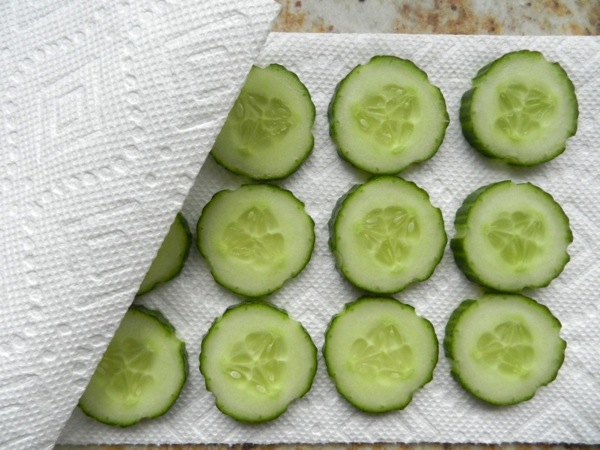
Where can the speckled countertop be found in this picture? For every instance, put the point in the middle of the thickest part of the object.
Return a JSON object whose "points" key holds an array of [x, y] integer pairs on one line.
{"points": [[516, 17]]}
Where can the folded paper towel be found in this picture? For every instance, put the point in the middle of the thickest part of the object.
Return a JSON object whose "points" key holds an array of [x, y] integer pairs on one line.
{"points": [[566, 411], [108, 112]]}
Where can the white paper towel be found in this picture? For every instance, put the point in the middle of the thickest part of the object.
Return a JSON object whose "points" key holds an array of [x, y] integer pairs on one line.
{"points": [[566, 411], [108, 112]]}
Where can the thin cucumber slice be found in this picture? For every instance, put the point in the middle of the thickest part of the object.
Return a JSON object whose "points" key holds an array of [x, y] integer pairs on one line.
{"points": [[511, 236], [256, 360], [379, 352], [385, 115], [171, 256], [521, 109], [503, 347], [255, 238], [268, 133], [141, 374], [385, 234]]}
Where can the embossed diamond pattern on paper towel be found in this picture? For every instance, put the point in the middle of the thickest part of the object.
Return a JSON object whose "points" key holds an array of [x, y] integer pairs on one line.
{"points": [[108, 110]]}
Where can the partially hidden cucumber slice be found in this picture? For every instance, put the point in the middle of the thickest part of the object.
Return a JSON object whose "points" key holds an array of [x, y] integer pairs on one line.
{"points": [[268, 133], [171, 256], [521, 109], [379, 352], [255, 238], [141, 374], [503, 347], [511, 236], [256, 360], [385, 115], [385, 234]]}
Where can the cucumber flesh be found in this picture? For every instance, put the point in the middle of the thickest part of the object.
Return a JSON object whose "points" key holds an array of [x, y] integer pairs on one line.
{"points": [[255, 238], [521, 109], [171, 256], [379, 352], [385, 234], [268, 133], [385, 115], [256, 360], [503, 347], [141, 374], [511, 236]]}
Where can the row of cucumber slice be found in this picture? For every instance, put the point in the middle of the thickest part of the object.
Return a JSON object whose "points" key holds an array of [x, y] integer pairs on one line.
{"points": [[386, 115], [256, 360], [385, 235]]}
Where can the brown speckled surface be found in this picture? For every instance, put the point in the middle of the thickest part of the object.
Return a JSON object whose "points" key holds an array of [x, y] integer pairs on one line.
{"points": [[523, 17], [518, 17], [398, 446]]}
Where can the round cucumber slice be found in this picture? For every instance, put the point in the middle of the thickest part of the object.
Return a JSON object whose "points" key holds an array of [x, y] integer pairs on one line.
{"points": [[171, 256], [256, 360], [379, 352], [511, 236], [503, 347], [385, 234], [255, 238], [268, 133], [385, 115], [141, 373], [521, 109]]}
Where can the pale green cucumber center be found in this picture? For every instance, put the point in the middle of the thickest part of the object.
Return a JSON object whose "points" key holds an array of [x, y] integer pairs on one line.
{"points": [[389, 117], [508, 349], [389, 233], [254, 237], [125, 366], [518, 237], [382, 355], [524, 110], [261, 121], [257, 364]]}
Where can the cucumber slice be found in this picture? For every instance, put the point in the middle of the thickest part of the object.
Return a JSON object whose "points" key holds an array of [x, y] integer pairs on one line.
{"points": [[385, 234], [379, 352], [385, 115], [521, 109], [255, 238], [268, 133], [511, 236], [170, 257], [141, 373], [503, 347], [256, 360]]}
